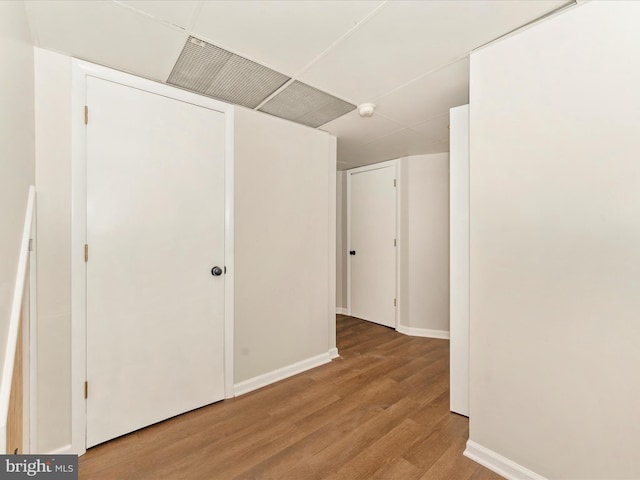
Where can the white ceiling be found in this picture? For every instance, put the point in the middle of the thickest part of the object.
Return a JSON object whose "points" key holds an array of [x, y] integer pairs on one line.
{"points": [[408, 57]]}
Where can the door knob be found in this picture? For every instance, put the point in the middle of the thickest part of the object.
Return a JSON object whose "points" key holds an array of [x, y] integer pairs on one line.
{"points": [[216, 271], [352, 252]]}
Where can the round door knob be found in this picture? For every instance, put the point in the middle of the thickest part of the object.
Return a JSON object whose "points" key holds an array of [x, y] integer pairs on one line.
{"points": [[216, 271]]}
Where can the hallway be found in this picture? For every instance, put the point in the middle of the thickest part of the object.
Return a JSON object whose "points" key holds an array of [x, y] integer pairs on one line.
{"points": [[380, 412]]}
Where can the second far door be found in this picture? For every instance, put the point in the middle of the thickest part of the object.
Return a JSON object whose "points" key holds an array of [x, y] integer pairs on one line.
{"points": [[372, 244]]}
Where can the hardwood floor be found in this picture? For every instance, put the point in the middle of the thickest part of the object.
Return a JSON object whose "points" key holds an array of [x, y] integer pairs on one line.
{"points": [[379, 412]]}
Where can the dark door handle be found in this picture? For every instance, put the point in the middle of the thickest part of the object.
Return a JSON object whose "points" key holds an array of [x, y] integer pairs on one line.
{"points": [[352, 252], [216, 271]]}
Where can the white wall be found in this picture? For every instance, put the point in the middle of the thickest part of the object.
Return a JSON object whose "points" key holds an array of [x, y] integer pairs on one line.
{"points": [[16, 146], [284, 250], [285, 176], [459, 259], [555, 245], [424, 244], [53, 183]]}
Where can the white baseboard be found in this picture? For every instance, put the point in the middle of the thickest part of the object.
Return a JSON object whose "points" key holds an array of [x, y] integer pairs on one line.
{"points": [[423, 332], [280, 374], [64, 450], [499, 464], [342, 311], [333, 353]]}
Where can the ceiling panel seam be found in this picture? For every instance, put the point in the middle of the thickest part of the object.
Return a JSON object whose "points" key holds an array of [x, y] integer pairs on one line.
{"points": [[289, 82], [387, 117], [571, 4], [422, 76], [336, 43], [152, 17], [194, 15], [191, 32], [296, 76], [197, 35], [342, 38], [381, 137], [416, 125]]}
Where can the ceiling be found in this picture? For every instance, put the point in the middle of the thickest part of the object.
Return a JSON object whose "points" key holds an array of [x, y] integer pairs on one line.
{"points": [[410, 58]]}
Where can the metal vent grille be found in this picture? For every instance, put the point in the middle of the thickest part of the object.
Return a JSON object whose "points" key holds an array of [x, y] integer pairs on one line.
{"points": [[304, 104], [218, 73]]}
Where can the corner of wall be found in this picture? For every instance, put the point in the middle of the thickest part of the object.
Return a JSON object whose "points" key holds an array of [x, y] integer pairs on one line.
{"points": [[499, 464], [424, 245]]}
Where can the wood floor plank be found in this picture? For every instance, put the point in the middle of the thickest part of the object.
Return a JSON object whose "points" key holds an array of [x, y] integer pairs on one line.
{"points": [[399, 469], [452, 464], [353, 439], [380, 412], [426, 453], [382, 452], [484, 474]]}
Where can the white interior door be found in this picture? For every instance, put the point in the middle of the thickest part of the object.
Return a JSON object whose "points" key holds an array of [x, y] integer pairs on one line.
{"points": [[372, 251], [155, 229]]}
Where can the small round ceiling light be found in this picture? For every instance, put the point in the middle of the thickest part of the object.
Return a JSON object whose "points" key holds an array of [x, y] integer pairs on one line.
{"points": [[366, 109]]}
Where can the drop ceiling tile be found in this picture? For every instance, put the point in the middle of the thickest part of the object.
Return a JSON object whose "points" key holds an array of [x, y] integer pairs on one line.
{"points": [[284, 35], [399, 144], [436, 129], [403, 142], [428, 147], [352, 127], [440, 147], [106, 33], [429, 96], [351, 154], [179, 13], [388, 147], [367, 157], [408, 38]]}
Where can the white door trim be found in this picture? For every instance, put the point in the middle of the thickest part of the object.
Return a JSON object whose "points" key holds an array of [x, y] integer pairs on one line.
{"points": [[31, 343], [331, 231], [80, 71], [376, 166]]}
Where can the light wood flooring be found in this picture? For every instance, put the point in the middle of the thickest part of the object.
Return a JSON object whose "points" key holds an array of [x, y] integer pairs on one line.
{"points": [[379, 412]]}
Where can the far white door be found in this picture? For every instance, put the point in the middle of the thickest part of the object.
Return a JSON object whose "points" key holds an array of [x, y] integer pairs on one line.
{"points": [[372, 243], [155, 230]]}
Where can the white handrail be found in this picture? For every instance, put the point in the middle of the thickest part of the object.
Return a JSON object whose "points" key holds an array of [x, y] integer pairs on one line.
{"points": [[14, 321]]}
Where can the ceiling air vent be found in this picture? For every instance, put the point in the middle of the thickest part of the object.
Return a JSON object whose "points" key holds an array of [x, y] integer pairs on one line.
{"points": [[304, 104], [218, 73]]}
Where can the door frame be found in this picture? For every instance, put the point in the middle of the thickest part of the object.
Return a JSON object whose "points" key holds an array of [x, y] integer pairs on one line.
{"points": [[80, 70], [395, 164]]}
